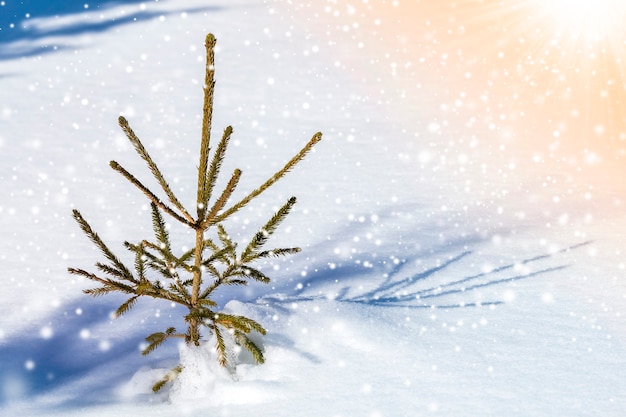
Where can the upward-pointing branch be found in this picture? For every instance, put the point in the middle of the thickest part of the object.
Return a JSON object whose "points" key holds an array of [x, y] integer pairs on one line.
{"points": [[156, 200], [141, 150], [214, 169], [278, 175], [207, 111]]}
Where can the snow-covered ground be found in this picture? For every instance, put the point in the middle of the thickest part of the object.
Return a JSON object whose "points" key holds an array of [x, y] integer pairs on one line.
{"points": [[452, 172]]}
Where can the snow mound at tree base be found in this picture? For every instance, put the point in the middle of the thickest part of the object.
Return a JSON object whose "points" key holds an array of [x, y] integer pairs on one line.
{"points": [[201, 383], [203, 379]]}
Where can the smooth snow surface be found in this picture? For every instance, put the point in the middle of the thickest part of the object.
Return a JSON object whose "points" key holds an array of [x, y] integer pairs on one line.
{"points": [[462, 221]]}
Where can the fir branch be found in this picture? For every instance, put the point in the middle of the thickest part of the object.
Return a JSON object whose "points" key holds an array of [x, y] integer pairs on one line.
{"points": [[156, 200], [160, 231], [97, 292], [278, 217], [275, 253], [208, 243], [214, 169], [222, 234], [212, 270], [157, 291], [93, 236], [146, 287], [220, 346], [106, 282], [233, 269], [240, 323], [152, 261], [208, 290], [169, 377], [207, 112], [156, 339], [141, 150], [221, 201], [140, 263], [177, 287], [256, 352], [220, 254], [111, 270], [125, 307], [160, 383], [140, 250], [255, 274], [278, 175], [161, 267], [86, 274], [266, 231], [235, 282], [167, 264], [200, 313], [207, 302], [182, 260]]}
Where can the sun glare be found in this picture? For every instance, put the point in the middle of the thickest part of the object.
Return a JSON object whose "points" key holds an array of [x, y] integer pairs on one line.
{"points": [[587, 20]]}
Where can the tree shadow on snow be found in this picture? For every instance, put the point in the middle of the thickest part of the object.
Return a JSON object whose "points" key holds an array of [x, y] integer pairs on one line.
{"points": [[73, 346], [414, 291], [433, 276]]}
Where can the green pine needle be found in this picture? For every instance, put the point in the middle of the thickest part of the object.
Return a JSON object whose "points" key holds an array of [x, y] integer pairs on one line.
{"points": [[153, 167], [156, 339], [93, 236], [216, 164], [245, 342], [255, 274], [126, 306], [240, 323], [275, 253], [179, 288], [266, 231], [207, 111], [97, 292], [151, 196], [223, 199], [160, 230], [111, 270], [220, 347], [278, 175], [207, 302], [169, 377], [160, 384]]}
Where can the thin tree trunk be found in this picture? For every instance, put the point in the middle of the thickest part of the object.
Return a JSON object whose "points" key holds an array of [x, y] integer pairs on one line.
{"points": [[194, 323]]}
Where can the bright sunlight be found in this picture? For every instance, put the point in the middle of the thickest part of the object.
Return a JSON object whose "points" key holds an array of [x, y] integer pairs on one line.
{"points": [[586, 20]]}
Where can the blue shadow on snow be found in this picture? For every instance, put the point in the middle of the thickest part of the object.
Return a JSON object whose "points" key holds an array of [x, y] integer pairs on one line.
{"points": [[33, 363], [15, 14], [430, 288]]}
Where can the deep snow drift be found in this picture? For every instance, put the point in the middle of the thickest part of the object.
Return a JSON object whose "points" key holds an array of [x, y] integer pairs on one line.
{"points": [[449, 267]]}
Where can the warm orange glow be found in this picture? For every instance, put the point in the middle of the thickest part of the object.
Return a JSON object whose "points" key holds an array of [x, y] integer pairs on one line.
{"points": [[535, 80]]}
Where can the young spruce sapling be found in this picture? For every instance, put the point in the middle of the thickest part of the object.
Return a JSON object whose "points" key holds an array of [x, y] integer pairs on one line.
{"points": [[192, 277]]}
